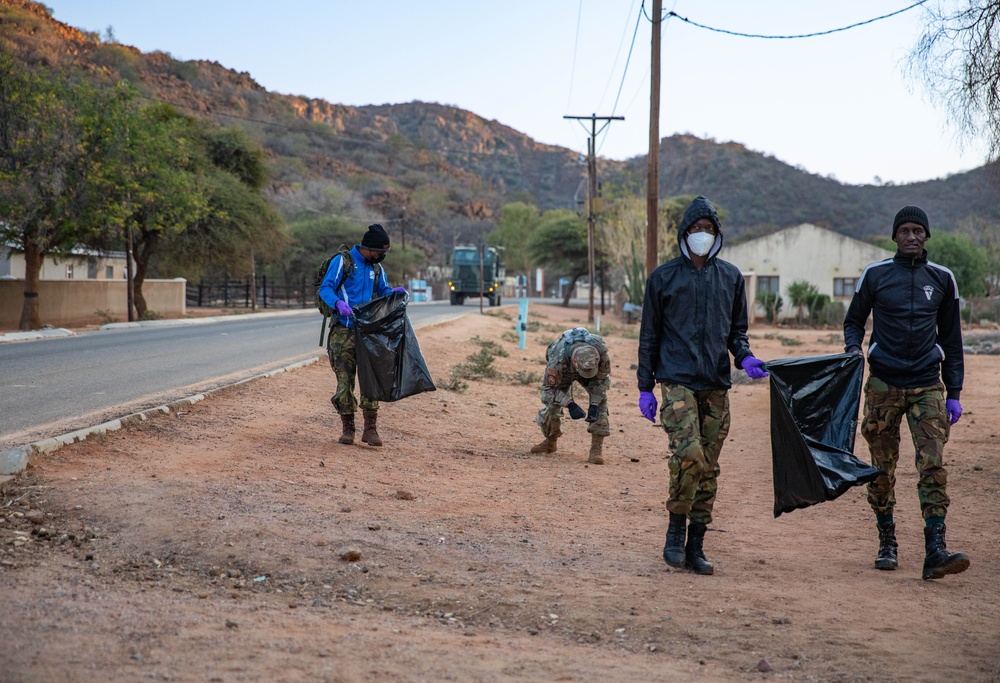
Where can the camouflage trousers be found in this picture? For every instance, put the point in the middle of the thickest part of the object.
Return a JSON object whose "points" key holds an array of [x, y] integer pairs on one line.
{"points": [[340, 350], [697, 423], [550, 419], [927, 418]]}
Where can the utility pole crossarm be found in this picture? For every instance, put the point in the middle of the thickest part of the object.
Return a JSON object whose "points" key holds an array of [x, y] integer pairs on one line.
{"points": [[591, 218]]}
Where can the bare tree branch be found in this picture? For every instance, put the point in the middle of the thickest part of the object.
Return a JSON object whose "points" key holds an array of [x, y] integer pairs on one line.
{"points": [[958, 59]]}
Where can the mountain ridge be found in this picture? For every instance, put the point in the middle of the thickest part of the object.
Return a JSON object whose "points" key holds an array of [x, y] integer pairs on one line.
{"points": [[448, 170]]}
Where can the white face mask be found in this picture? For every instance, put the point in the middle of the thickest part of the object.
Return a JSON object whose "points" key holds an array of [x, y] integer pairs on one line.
{"points": [[700, 243]]}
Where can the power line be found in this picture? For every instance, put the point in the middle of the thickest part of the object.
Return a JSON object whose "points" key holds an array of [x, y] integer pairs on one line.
{"points": [[628, 59], [576, 43], [618, 54], [785, 37]]}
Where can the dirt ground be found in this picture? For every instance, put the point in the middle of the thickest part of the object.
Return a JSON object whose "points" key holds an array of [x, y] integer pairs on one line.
{"points": [[209, 545]]}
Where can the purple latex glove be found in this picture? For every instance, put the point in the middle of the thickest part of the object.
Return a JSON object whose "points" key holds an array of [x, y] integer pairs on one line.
{"points": [[954, 409], [647, 405], [344, 309], [754, 367], [399, 289]]}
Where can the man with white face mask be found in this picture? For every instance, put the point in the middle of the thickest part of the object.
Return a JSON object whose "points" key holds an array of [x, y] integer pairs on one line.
{"points": [[693, 316]]}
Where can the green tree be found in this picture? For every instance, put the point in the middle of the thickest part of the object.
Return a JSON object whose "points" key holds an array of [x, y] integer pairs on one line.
{"points": [[514, 228], [239, 228], [52, 158], [559, 243], [960, 255], [162, 189], [232, 150], [986, 236]]}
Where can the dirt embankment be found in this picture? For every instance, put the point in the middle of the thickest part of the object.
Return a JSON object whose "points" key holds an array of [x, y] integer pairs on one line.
{"points": [[209, 545]]}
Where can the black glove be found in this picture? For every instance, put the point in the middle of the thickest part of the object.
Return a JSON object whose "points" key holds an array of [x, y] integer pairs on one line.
{"points": [[856, 350], [592, 413], [575, 411]]}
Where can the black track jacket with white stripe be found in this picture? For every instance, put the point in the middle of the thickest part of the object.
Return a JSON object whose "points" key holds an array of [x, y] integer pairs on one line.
{"points": [[916, 327]]}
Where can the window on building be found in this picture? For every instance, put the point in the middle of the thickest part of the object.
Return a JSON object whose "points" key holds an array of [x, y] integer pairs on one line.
{"points": [[109, 272], [92, 268], [767, 284], [844, 286], [69, 271]]}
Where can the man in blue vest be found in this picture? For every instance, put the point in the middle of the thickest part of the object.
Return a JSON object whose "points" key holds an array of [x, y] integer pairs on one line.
{"points": [[351, 280]]}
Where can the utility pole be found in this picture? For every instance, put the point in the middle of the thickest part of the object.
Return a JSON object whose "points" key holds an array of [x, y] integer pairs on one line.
{"points": [[653, 158], [591, 195]]}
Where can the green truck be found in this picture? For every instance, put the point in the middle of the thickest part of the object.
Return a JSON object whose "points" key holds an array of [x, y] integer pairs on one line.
{"points": [[465, 275]]}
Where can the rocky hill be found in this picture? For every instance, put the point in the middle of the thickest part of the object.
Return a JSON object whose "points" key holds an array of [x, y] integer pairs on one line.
{"points": [[447, 171]]}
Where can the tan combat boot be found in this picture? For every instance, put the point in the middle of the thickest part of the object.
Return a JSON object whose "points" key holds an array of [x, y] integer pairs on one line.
{"points": [[348, 436], [546, 446], [370, 435], [596, 442]]}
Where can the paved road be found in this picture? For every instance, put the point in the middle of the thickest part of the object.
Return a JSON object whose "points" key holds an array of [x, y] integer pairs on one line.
{"points": [[54, 386]]}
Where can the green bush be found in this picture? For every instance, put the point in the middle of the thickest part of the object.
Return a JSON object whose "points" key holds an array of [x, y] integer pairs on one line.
{"points": [[491, 346], [525, 377], [772, 304]]}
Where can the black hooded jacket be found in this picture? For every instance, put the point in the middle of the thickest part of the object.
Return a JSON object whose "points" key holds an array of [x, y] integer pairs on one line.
{"points": [[916, 329], [692, 318]]}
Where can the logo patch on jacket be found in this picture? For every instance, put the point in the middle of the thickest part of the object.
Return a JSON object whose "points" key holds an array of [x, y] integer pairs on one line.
{"points": [[550, 377], [928, 291]]}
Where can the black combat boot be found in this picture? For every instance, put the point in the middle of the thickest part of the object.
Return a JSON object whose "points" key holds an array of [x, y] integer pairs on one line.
{"points": [[938, 562], [673, 551], [886, 546], [694, 556]]}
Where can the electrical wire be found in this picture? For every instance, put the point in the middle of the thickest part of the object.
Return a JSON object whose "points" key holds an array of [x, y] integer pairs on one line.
{"points": [[618, 53], [787, 37], [628, 60], [576, 44]]}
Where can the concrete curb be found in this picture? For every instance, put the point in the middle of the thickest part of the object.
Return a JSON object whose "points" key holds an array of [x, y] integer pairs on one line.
{"points": [[172, 322], [36, 334], [167, 322], [17, 459]]}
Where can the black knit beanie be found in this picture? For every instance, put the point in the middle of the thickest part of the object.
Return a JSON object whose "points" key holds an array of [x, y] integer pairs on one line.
{"points": [[910, 214], [376, 239]]}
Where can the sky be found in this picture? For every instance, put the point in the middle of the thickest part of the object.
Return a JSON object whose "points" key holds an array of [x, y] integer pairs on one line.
{"points": [[839, 105]]}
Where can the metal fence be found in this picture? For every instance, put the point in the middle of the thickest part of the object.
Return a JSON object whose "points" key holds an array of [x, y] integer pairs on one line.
{"points": [[244, 293]]}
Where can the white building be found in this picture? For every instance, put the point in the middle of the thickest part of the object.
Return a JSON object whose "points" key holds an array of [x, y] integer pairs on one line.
{"points": [[830, 261], [80, 264]]}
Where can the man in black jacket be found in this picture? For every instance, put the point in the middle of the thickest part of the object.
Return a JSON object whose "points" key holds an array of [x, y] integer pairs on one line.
{"points": [[693, 316], [916, 342]]}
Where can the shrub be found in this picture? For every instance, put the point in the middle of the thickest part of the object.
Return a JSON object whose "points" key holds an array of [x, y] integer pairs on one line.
{"points": [[107, 318], [523, 377], [491, 346], [772, 304]]}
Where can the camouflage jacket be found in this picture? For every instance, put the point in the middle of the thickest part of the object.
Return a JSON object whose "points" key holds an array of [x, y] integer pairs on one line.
{"points": [[559, 372]]}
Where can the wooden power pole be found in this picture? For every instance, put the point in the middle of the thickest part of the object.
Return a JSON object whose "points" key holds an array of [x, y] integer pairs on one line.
{"points": [[591, 195], [653, 159]]}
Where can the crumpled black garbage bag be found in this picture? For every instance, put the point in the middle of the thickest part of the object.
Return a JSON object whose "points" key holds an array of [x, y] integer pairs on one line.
{"points": [[814, 417], [390, 366]]}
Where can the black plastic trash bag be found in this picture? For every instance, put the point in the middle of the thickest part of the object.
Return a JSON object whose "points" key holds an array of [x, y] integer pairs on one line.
{"points": [[390, 366], [814, 417]]}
